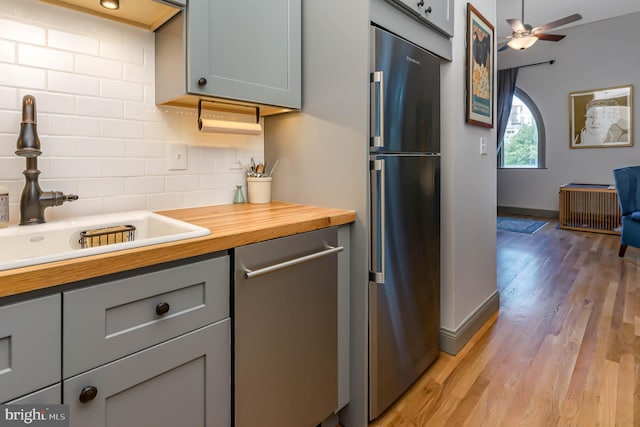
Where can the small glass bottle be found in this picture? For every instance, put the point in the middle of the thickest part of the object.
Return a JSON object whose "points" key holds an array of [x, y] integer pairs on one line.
{"points": [[239, 197], [4, 206]]}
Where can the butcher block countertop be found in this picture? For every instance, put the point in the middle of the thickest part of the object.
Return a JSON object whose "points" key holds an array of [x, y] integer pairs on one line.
{"points": [[231, 226]]}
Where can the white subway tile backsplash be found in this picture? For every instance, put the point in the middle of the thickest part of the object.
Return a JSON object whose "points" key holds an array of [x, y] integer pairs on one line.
{"points": [[122, 90], [74, 125], [99, 67], [14, 189], [144, 185], [131, 54], [159, 202], [156, 166], [181, 183], [122, 167], [7, 51], [60, 146], [145, 148], [102, 135], [213, 182], [159, 131], [42, 57], [11, 168], [98, 147], [122, 129], [21, 32], [73, 42], [101, 187], [10, 121], [142, 111], [80, 207], [97, 107], [74, 83], [9, 98], [125, 203], [18, 76], [225, 196], [138, 73], [51, 102], [200, 198], [8, 143], [75, 168]]}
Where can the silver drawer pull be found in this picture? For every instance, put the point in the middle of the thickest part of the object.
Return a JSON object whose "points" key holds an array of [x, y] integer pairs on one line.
{"points": [[250, 274]]}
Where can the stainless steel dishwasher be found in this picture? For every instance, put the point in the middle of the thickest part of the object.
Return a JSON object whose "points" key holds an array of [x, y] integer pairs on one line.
{"points": [[285, 330]]}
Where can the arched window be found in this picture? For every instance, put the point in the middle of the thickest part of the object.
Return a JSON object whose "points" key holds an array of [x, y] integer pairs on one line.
{"points": [[524, 139]]}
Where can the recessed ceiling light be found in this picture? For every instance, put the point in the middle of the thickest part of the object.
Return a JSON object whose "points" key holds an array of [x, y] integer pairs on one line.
{"points": [[110, 4]]}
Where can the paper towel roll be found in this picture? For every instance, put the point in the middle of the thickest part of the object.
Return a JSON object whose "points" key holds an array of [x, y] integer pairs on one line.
{"points": [[225, 126]]}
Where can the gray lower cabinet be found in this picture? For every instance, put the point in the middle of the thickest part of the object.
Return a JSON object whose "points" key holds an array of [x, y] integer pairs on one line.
{"points": [[119, 317], [185, 381], [29, 346], [153, 349], [234, 51], [46, 396]]}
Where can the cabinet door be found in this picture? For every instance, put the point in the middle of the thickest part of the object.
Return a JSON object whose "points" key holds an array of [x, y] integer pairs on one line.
{"points": [[46, 396], [249, 52], [441, 15], [182, 382], [29, 346], [437, 13]]}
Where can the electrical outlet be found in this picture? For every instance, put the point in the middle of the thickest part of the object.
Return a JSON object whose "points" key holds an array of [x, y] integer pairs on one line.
{"points": [[236, 162], [177, 156]]}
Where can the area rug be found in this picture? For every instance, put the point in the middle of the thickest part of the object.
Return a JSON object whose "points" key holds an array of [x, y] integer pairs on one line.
{"points": [[517, 225]]}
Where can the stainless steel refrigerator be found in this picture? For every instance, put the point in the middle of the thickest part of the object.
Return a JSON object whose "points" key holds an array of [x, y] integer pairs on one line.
{"points": [[404, 287]]}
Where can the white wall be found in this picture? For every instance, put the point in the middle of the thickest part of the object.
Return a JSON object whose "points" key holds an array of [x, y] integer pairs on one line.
{"points": [[468, 192], [102, 135], [598, 55]]}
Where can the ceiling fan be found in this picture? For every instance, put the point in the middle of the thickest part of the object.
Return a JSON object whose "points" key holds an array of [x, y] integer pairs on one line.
{"points": [[525, 35]]}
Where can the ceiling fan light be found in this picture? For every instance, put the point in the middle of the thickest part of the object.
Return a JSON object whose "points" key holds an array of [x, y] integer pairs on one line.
{"points": [[110, 4], [521, 43]]}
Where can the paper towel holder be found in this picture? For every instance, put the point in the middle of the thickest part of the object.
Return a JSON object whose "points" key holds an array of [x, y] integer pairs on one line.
{"points": [[229, 126]]}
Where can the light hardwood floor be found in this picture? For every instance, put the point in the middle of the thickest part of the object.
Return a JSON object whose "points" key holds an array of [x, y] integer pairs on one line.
{"points": [[563, 350]]}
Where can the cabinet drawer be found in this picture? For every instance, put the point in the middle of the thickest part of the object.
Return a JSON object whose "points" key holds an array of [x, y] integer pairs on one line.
{"points": [[29, 346], [114, 319], [185, 381]]}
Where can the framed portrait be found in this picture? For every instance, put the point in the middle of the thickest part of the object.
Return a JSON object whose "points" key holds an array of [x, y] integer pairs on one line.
{"points": [[480, 42], [601, 118]]}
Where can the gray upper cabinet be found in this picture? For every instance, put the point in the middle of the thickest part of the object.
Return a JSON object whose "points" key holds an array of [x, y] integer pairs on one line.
{"points": [[437, 13], [231, 51]]}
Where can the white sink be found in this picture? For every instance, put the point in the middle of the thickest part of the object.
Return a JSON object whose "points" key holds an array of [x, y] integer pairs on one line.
{"points": [[21, 246]]}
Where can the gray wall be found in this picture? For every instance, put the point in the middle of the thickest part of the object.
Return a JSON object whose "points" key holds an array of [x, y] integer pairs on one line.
{"points": [[598, 55], [468, 194], [323, 150]]}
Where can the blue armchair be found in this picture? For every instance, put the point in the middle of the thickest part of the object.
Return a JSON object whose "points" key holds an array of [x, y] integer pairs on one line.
{"points": [[628, 188]]}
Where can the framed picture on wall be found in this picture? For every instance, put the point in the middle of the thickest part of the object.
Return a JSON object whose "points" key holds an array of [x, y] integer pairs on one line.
{"points": [[601, 118], [480, 42]]}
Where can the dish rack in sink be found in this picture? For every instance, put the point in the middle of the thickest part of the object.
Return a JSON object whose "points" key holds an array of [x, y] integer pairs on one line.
{"points": [[107, 236]]}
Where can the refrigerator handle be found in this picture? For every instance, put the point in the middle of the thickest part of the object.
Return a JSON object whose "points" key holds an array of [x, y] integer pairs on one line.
{"points": [[378, 232], [377, 109]]}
